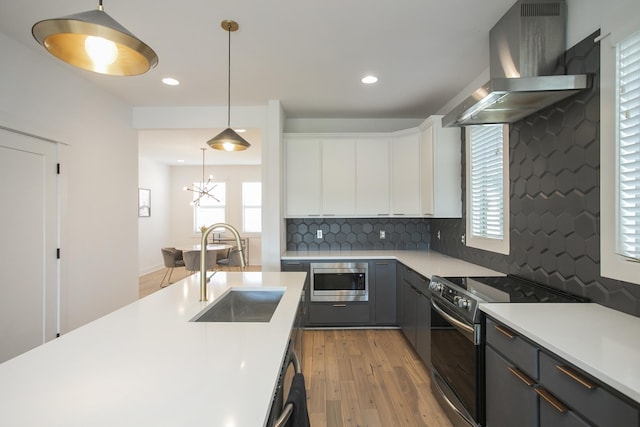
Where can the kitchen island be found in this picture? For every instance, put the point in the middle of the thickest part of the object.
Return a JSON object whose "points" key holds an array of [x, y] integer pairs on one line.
{"points": [[147, 364]]}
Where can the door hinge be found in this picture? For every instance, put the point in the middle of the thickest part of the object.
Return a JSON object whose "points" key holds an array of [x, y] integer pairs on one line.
{"points": [[58, 168], [58, 253]]}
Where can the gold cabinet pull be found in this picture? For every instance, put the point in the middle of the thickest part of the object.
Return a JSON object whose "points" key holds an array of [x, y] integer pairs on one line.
{"points": [[504, 331], [521, 376], [576, 377], [551, 400]]}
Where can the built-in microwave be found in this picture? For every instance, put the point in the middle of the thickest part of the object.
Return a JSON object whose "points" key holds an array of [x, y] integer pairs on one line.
{"points": [[339, 281]]}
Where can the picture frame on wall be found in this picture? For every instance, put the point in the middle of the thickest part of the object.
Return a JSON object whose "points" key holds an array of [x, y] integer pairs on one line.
{"points": [[144, 202]]}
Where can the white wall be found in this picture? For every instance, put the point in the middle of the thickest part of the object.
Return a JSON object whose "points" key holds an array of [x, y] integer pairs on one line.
{"points": [[99, 181], [181, 222], [154, 231]]}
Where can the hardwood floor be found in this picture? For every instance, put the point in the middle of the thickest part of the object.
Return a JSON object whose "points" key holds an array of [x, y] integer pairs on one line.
{"points": [[356, 377], [367, 378]]}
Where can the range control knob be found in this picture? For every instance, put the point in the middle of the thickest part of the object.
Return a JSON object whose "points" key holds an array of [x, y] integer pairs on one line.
{"points": [[435, 286], [461, 302]]}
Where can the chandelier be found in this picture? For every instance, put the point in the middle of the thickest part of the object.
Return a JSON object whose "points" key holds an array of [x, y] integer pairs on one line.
{"points": [[202, 189]]}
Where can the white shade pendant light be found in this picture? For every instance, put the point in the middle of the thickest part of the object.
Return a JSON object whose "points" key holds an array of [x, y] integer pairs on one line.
{"points": [[94, 41], [228, 139]]}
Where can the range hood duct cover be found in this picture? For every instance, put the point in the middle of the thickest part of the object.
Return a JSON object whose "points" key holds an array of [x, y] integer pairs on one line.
{"points": [[526, 67]]}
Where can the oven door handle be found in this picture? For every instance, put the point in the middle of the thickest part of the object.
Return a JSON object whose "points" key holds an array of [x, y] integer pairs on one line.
{"points": [[455, 322]]}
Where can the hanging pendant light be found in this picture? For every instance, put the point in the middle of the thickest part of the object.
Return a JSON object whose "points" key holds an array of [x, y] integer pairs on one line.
{"points": [[94, 41], [228, 139]]}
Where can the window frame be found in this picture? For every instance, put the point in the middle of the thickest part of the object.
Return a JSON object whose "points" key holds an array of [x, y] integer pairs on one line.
{"points": [[244, 207], [501, 246], [617, 25]]}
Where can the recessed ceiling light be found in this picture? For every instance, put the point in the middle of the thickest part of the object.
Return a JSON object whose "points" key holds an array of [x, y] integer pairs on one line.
{"points": [[369, 79], [180, 161], [241, 130], [170, 81]]}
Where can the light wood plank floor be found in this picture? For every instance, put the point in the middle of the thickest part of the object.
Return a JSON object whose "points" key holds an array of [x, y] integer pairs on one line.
{"points": [[367, 378], [356, 377]]}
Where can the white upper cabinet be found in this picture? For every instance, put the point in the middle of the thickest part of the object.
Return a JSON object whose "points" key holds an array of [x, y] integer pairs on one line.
{"points": [[413, 173], [302, 180], [338, 177], [372, 177], [440, 174], [405, 173]]}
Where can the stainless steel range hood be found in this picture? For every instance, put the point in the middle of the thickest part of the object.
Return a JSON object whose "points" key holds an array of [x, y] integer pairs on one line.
{"points": [[526, 69]]}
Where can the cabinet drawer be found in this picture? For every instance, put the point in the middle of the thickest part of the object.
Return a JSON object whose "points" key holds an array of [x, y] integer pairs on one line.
{"points": [[585, 395], [520, 352], [339, 314]]}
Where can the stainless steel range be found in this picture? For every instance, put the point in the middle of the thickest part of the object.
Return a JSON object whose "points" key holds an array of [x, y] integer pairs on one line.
{"points": [[457, 356]]}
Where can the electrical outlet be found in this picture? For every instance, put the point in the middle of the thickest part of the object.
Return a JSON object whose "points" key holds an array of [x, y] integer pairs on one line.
{"points": [[462, 239], [319, 234], [438, 235], [383, 235]]}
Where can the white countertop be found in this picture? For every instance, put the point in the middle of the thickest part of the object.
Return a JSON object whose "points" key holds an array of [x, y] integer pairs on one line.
{"points": [[147, 365], [602, 342], [427, 263]]}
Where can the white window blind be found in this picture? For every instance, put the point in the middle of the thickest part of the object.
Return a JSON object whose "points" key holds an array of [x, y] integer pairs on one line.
{"points": [[486, 216], [628, 145]]}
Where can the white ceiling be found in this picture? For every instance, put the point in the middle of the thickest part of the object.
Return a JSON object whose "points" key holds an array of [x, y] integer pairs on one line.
{"points": [[308, 54]]}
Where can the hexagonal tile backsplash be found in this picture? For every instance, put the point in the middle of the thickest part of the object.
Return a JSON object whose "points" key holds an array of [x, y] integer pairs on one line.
{"points": [[357, 234], [555, 198]]}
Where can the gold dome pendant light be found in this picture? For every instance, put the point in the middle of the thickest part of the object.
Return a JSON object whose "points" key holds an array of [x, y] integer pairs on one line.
{"points": [[228, 139], [94, 41]]}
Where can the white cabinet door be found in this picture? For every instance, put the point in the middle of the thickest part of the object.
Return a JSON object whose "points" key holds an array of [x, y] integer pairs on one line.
{"points": [[440, 172], [338, 176], [372, 177], [303, 160], [405, 174]]}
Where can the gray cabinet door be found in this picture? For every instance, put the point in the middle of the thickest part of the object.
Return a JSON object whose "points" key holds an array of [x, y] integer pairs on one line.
{"points": [[385, 292], [300, 266], [408, 324], [510, 396], [423, 329]]}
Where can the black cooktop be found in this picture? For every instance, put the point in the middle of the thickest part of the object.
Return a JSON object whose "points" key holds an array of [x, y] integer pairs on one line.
{"points": [[513, 289]]}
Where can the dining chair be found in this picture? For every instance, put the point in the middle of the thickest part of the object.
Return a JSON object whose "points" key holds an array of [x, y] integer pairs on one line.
{"points": [[192, 260], [172, 258]]}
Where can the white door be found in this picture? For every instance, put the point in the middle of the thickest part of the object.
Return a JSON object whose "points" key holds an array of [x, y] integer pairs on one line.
{"points": [[29, 230]]}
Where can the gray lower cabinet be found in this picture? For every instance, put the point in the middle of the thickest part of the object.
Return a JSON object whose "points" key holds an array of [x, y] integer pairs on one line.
{"points": [[423, 328], [385, 293], [511, 399], [300, 266], [409, 311], [415, 319], [527, 385]]}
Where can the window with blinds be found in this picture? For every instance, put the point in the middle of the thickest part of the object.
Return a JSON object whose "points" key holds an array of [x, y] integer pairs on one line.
{"points": [[628, 145], [486, 182], [487, 197]]}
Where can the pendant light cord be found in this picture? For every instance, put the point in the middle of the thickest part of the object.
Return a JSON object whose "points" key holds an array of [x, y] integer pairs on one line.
{"points": [[229, 79]]}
